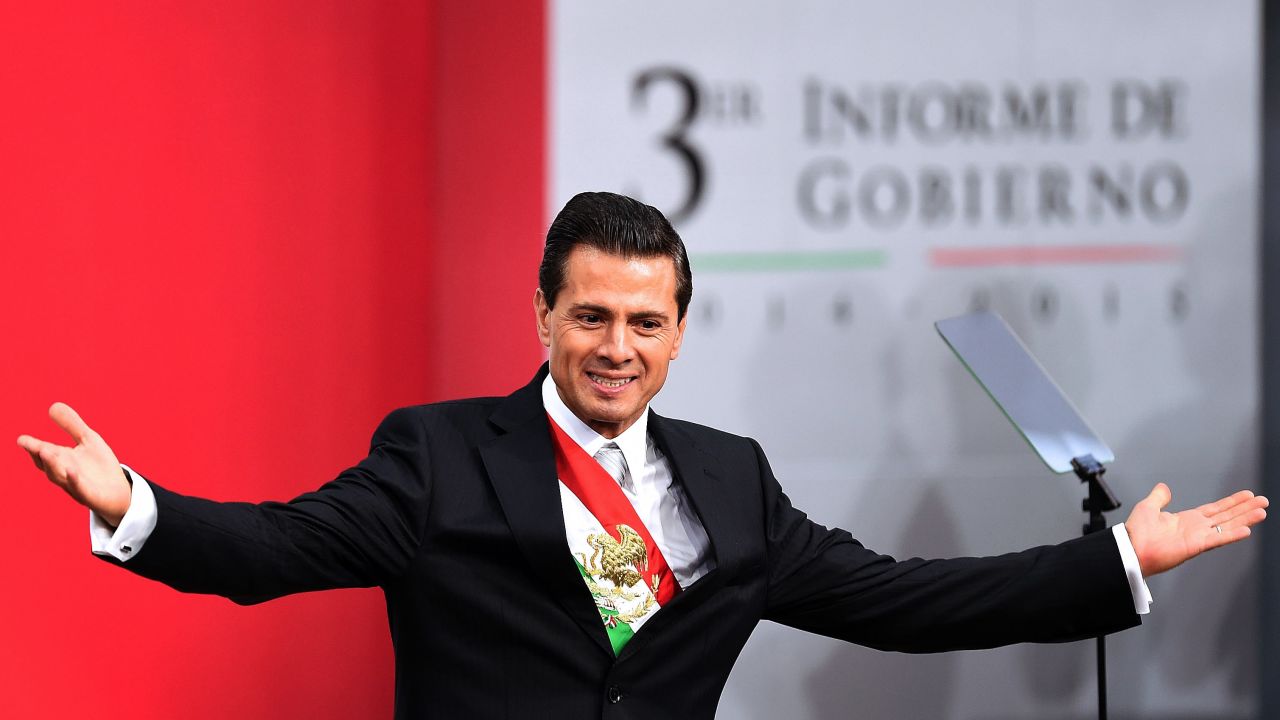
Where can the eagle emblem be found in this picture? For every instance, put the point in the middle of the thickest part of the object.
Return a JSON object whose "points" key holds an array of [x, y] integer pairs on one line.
{"points": [[613, 575], [617, 560]]}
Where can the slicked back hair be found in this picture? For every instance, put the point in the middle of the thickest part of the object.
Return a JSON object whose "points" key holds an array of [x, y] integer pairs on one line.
{"points": [[618, 225]]}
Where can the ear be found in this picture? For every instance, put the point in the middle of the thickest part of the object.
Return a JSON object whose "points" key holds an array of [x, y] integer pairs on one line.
{"points": [[675, 346], [542, 312]]}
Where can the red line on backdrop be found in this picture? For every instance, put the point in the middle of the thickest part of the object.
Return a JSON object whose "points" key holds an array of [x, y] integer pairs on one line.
{"points": [[1053, 255]]}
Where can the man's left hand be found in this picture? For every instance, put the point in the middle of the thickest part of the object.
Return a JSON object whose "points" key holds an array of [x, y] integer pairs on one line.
{"points": [[1164, 540]]}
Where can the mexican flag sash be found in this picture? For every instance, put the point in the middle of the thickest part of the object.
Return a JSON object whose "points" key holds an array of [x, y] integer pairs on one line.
{"points": [[621, 564]]}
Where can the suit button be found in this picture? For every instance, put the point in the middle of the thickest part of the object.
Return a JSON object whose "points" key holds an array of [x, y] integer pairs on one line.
{"points": [[615, 694]]}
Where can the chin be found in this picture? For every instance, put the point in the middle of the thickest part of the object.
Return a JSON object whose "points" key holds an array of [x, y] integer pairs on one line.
{"points": [[608, 416]]}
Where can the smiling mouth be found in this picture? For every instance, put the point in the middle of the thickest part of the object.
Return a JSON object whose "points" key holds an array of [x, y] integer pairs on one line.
{"points": [[606, 382]]}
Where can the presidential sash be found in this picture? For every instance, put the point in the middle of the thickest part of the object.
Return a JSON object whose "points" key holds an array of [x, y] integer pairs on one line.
{"points": [[621, 564]]}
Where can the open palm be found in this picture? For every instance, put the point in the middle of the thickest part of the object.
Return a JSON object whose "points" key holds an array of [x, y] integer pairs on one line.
{"points": [[1164, 540]]}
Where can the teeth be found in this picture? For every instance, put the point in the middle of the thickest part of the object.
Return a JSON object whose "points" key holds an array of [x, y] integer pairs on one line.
{"points": [[609, 383]]}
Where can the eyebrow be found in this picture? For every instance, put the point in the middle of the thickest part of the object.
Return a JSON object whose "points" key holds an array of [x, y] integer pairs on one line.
{"points": [[641, 315]]}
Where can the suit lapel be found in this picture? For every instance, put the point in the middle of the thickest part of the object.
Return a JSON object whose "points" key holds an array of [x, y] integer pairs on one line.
{"points": [[522, 469], [695, 470]]}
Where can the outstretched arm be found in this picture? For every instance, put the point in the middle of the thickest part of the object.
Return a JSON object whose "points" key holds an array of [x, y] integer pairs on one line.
{"points": [[87, 470], [1164, 540], [357, 530]]}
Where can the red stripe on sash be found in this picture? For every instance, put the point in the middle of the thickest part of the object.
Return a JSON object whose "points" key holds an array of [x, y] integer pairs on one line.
{"points": [[600, 493]]}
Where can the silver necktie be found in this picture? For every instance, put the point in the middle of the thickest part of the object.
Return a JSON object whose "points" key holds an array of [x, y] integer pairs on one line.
{"points": [[614, 462]]}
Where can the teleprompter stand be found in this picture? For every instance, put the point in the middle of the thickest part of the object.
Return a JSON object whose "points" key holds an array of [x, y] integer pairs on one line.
{"points": [[1043, 415], [1100, 500]]}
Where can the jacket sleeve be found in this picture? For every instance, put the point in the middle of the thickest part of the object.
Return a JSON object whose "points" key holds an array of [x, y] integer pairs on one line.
{"points": [[359, 530], [823, 581]]}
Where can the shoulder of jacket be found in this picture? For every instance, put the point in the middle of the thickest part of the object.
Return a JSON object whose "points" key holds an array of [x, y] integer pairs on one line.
{"points": [[446, 412], [704, 434]]}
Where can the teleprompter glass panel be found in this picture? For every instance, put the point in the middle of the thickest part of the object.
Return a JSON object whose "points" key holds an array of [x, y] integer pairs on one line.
{"points": [[1032, 401]]}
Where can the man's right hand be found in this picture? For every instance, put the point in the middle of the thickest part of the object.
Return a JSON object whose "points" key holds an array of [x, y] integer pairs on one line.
{"points": [[89, 471]]}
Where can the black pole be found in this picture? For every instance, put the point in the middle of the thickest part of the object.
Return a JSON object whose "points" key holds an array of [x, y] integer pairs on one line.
{"points": [[1100, 500], [1269, 307], [1102, 677]]}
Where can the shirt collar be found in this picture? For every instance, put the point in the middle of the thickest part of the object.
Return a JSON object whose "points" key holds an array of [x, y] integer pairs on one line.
{"points": [[634, 441]]}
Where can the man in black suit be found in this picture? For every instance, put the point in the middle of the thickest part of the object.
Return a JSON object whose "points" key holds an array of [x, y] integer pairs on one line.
{"points": [[521, 581]]}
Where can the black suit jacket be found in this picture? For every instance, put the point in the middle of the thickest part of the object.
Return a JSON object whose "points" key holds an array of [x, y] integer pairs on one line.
{"points": [[456, 514]]}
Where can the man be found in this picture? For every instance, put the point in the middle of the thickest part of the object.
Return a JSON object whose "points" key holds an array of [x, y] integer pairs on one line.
{"points": [[565, 552]]}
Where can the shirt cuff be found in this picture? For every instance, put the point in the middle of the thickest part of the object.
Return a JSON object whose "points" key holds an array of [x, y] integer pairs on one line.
{"points": [[139, 521], [1132, 570]]}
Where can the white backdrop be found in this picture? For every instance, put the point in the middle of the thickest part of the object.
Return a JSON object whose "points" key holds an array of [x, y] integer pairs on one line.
{"points": [[844, 174]]}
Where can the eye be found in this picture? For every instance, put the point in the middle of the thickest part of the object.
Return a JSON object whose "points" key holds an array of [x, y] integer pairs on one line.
{"points": [[589, 318], [650, 325]]}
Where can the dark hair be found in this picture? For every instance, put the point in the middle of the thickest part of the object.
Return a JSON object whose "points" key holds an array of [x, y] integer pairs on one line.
{"points": [[618, 225]]}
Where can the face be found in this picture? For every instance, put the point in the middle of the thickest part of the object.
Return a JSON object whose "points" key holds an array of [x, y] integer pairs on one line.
{"points": [[612, 333]]}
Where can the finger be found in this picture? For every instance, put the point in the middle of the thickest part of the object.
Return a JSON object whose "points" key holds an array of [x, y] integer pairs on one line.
{"points": [[1226, 503], [32, 447], [1245, 519], [36, 445], [1159, 496], [1226, 537], [30, 444], [1235, 511], [69, 420]]}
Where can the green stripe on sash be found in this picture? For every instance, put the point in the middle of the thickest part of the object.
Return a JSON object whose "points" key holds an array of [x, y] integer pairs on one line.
{"points": [[619, 632]]}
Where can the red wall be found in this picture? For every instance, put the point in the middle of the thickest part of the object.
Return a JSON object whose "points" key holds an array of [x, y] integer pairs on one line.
{"points": [[235, 235]]}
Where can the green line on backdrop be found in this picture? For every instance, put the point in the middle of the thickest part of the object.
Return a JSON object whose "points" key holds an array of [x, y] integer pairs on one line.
{"points": [[787, 261]]}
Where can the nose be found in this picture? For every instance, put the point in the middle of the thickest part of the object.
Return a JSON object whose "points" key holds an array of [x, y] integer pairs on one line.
{"points": [[615, 345]]}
